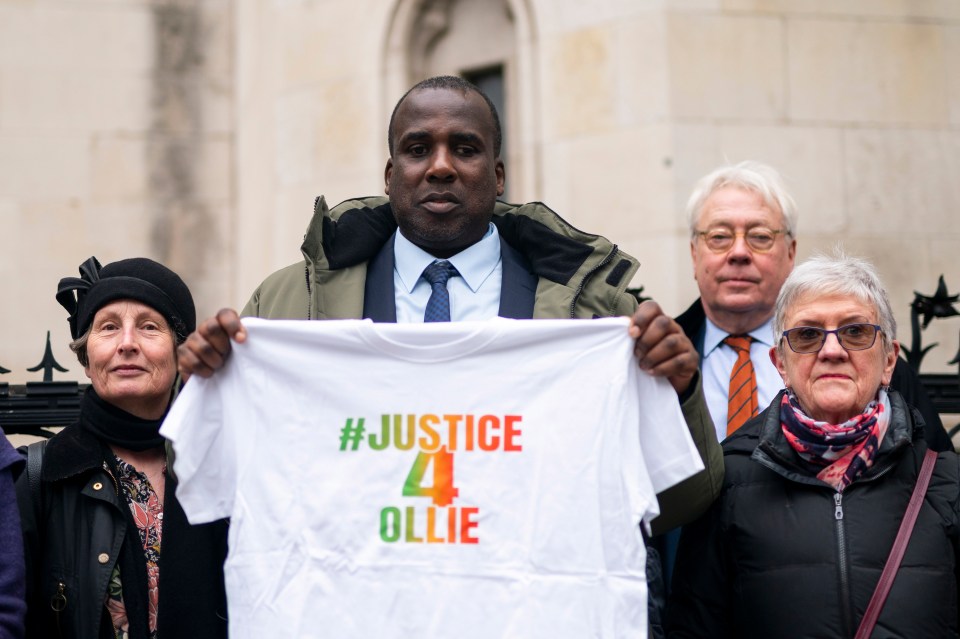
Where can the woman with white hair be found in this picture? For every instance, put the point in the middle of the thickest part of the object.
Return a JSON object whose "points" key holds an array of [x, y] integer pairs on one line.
{"points": [[799, 543]]}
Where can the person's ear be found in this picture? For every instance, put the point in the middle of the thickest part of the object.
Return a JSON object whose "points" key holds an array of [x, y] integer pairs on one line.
{"points": [[890, 362], [780, 365], [387, 172]]}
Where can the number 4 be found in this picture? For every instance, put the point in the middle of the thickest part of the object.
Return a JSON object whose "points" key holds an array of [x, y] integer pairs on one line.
{"points": [[442, 491]]}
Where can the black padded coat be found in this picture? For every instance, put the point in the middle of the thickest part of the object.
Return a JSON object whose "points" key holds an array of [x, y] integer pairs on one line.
{"points": [[782, 554]]}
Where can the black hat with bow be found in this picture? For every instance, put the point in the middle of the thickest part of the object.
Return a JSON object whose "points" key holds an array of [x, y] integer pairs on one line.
{"points": [[139, 279]]}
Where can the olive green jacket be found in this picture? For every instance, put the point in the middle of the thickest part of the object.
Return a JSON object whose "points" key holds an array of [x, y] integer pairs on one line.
{"points": [[579, 276]]}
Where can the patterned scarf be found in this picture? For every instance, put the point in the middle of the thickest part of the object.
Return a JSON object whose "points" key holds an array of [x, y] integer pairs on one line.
{"points": [[844, 451]]}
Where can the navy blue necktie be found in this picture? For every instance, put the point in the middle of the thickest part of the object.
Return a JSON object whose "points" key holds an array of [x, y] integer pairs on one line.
{"points": [[438, 306]]}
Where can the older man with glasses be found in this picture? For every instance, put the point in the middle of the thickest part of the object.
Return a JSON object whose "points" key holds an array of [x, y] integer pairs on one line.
{"points": [[743, 244]]}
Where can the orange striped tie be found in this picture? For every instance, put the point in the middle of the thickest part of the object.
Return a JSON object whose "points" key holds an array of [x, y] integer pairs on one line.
{"points": [[742, 397]]}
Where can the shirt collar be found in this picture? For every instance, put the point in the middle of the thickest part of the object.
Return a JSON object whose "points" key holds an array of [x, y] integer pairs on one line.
{"points": [[714, 335], [474, 263]]}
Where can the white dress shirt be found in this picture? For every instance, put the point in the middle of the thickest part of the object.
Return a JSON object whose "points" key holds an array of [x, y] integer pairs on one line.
{"points": [[474, 295], [718, 361]]}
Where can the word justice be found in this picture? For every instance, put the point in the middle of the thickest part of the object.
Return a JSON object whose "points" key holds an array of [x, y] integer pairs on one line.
{"points": [[455, 432], [452, 525]]}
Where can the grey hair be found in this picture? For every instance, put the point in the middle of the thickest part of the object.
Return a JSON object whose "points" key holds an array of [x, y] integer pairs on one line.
{"points": [[751, 176], [79, 348], [836, 274]]}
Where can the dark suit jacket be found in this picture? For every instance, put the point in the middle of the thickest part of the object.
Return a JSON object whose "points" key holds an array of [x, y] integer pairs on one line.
{"points": [[517, 292], [693, 321]]}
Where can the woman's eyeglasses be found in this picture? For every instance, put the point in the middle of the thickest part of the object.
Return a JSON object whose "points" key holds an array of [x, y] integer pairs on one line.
{"points": [[760, 239], [810, 339]]}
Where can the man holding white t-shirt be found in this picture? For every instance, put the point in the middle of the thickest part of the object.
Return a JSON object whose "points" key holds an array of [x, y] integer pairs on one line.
{"points": [[365, 259], [409, 504]]}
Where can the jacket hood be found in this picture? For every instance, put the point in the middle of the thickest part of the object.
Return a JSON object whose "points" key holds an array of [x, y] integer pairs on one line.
{"points": [[564, 258], [355, 230]]}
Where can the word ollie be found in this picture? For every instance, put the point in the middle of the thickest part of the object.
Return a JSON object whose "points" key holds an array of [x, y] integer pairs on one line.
{"points": [[456, 526], [437, 437]]}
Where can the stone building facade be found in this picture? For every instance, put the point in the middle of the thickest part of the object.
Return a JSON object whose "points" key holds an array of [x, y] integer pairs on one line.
{"points": [[198, 132]]}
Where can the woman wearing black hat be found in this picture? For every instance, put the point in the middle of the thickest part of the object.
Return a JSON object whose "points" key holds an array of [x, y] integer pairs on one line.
{"points": [[109, 550]]}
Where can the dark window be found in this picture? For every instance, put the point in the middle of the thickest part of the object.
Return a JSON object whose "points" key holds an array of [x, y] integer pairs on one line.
{"points": [[490, 81]]}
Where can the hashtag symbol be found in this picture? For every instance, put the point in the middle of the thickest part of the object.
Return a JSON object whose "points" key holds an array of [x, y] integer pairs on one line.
{"points": [[351, 434]]}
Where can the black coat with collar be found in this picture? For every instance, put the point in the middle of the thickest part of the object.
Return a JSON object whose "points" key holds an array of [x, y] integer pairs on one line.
{"points": [[73, 537], [693, 321], [772, 557]]}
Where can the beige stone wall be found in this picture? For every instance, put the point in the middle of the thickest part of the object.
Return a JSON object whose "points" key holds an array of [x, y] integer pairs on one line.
{"points": [[855, 102], [199, 133], [309, 78], [116, 140]]}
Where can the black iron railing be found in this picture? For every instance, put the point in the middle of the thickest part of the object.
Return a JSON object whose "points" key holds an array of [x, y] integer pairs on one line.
{"points": [[943, 388], [37, 408]]}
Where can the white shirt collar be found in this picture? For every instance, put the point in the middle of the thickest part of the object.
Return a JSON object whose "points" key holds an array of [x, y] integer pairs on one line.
{"points": [[714, 335], [475, 263]]}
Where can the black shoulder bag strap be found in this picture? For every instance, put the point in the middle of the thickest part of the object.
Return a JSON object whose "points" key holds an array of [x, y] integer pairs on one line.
{"points": [[899, 548], [34, 468]]}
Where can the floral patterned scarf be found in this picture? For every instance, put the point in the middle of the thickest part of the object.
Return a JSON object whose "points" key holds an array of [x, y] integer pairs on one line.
{"points": [[147, 514], [844, 451]]}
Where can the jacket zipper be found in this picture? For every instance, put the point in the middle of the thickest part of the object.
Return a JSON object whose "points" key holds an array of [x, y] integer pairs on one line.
{"points": [[843, 567], [306, 276], [844, 564], [583, 281], [306, 267], [58, 603]]}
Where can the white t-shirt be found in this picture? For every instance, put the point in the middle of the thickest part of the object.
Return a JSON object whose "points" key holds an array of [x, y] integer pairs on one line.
{"points": [[465, 479]]}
